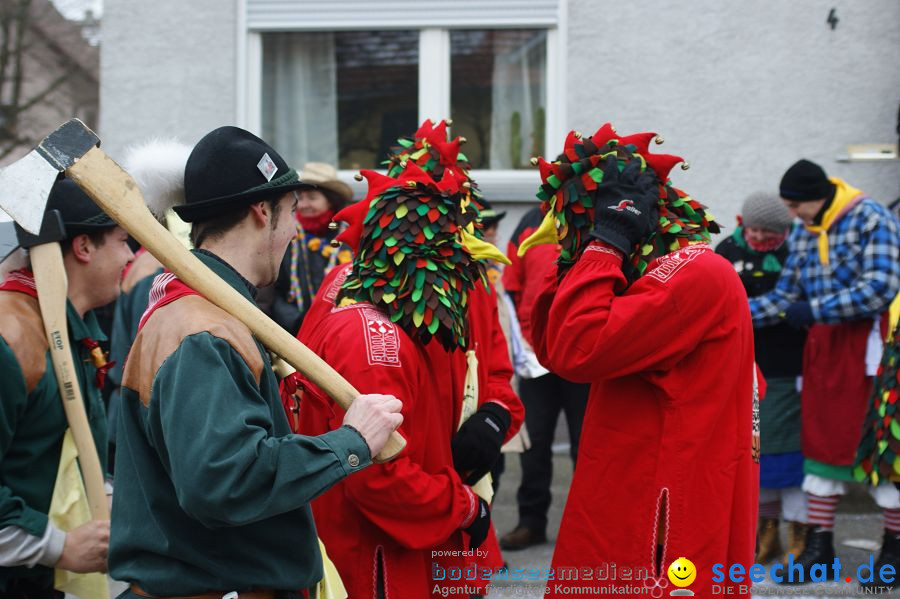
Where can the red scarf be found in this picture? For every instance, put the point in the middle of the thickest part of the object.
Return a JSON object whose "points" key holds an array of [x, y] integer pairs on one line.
{"points": [[765, 246], [167, 288], [22, 281], [316, 225]]}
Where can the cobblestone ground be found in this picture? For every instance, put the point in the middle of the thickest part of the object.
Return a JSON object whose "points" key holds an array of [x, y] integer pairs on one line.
{"points": [[858, 524], [858, 527]]}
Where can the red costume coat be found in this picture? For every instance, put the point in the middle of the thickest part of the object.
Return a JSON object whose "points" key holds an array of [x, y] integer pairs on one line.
{"points": [[394, 513], [668, 430], [494, 369], [494, 372]]}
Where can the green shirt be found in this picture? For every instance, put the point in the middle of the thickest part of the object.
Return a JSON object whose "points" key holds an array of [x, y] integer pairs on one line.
{"points": [[212, 489], [32, 426]]}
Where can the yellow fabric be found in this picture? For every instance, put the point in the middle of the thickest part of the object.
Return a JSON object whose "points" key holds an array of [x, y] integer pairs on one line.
{"points": [[483, 488], [331, 586], [843, 195], [893, 318], [69, 510]]}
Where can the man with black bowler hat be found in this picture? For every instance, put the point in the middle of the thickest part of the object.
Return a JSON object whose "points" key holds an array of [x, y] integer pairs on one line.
{"points": [[32, 418], [841, 274], [212, 489]]}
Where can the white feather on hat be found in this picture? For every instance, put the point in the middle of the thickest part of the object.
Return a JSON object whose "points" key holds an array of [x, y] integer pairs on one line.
{"points": [[157, 165]]}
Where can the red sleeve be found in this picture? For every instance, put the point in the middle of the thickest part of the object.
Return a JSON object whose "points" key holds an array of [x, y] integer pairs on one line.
{"points": [[513, 273], [493, 359], [415, 507], [588, 332]]}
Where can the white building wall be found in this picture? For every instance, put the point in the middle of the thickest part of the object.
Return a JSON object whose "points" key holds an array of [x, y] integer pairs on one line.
{"points": [[742, 89], [167, 70]]}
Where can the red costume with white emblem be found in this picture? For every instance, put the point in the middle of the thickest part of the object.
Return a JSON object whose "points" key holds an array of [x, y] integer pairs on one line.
{"points": [[386, 520], [494, 374], [667, 438]]}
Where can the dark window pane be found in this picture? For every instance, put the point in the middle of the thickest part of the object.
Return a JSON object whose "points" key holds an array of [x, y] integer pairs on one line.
{"points": [[341, 98], [498, 94]]}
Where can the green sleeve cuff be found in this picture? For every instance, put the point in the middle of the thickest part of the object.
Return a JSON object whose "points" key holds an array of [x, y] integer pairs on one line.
{"points": [[33, 521], [349, 447]]}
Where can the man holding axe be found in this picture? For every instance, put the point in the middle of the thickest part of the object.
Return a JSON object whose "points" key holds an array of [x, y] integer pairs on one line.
{"points": [[213, 490], [32, 418]]}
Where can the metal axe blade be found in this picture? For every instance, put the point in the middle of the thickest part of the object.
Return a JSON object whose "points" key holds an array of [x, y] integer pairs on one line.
{"points": [[26, 183], [8, 239]]}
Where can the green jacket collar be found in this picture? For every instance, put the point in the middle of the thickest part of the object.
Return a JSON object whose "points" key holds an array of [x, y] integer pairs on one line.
{"points": [[227, 273], [83, 328]]}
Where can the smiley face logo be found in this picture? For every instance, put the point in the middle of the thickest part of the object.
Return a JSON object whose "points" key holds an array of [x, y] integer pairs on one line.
{"points": [[682, 572]]}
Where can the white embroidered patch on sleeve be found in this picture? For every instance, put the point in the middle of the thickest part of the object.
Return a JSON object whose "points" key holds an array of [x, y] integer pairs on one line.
{"points": [[669, 265], [335, 286], [382, 338]]}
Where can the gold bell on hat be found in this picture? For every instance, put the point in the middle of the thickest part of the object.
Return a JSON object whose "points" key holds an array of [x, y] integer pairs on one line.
{"points": [[659, 139], [358, 177], [333, 226], [534, 161], [334, 243], [449, 122], [685, 165], [462, 140]]}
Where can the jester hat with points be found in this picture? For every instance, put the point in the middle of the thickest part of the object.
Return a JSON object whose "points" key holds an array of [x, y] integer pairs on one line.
{"points": [[566, 195], [417, 255]]}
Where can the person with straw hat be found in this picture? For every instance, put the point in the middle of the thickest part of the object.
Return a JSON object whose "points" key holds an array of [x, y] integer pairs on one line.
{"points": [[310, 254]]}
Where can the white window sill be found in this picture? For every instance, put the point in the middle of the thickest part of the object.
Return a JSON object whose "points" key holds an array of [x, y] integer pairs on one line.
{"points": [[500, 186]]}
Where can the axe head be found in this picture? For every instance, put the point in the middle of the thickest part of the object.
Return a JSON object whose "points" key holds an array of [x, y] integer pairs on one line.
{"points": [[8, 239], [26, 183], [51, 230]]}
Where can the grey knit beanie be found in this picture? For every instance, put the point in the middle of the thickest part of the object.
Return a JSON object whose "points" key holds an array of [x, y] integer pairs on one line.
{"points": [[765, 211]]}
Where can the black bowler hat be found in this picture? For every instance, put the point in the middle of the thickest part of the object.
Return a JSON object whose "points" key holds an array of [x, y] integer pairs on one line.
{"points": [[230, 168], [805, 181], [79, 212], [489, 216]]}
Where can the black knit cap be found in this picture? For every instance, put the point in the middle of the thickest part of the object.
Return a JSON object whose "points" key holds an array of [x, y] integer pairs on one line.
{"points": [[79, 212], [231, 168], [805, 181]]}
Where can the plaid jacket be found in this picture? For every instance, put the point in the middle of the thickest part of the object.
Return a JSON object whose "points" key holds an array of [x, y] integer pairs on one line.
{"points": [[861, 280]]}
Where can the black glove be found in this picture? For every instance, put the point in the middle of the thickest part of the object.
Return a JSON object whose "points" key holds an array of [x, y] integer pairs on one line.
{"points": [[476, 446], [626, 205], [478, 529], [799, 315]]}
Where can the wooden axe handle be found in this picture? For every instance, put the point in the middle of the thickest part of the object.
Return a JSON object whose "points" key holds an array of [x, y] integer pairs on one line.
{"points": [[116, 192], [50, 280]]}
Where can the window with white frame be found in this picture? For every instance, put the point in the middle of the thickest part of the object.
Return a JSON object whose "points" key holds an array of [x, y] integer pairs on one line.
{"points": [[340, 81], [344, 97]]}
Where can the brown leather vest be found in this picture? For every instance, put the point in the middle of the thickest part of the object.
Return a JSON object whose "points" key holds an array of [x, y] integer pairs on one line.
{"points": [[167, 327], [22, 328]]}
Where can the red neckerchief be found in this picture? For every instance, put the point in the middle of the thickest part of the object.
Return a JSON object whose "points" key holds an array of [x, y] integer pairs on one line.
{"points": [[167, 288], [141, 250], [766, 246], [22, 281], [316, 225]]}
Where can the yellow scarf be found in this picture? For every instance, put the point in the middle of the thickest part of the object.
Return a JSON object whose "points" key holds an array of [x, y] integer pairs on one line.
{"points": [[844, 197]]}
